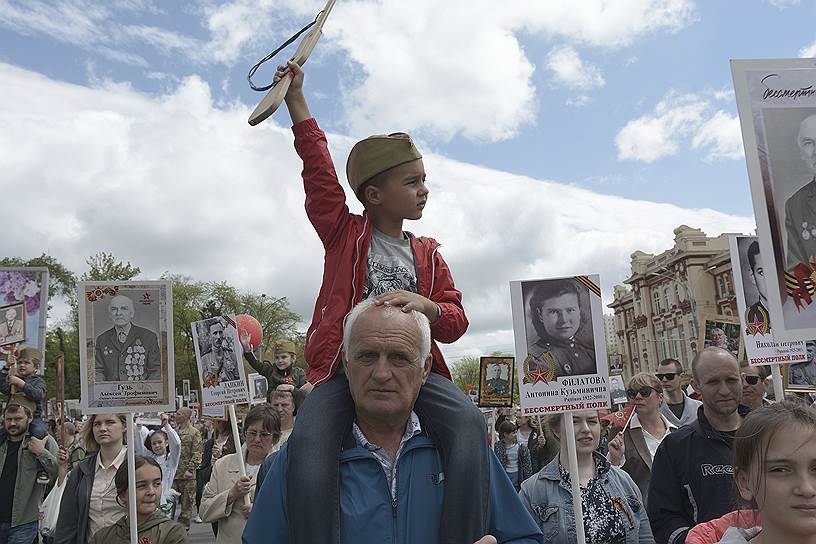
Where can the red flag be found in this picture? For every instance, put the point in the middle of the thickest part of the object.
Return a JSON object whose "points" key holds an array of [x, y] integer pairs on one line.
{"points": [[621, 417]]}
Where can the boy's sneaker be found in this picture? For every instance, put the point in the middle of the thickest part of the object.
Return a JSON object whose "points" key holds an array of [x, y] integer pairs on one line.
{"points": [[42, 478]]}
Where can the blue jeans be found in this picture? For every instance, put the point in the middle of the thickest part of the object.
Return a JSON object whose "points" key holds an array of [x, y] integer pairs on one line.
{"points": [[22, 534], [324, 420]]}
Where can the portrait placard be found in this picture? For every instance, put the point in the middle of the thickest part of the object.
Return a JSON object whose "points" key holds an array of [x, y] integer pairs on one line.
{"points": [[126, 330], [559, 337], [722, 331], [617, 389], [193, 398], [615, 363], [802, 376], [258, 388], [185, 389], [220, 368], [496, 379], [28, 286], [214, 411], [748, 268], [12, 328], [776, 100]]}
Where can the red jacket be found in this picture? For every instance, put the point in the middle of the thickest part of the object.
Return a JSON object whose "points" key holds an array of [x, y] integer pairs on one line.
{"points": [[712, 531], [346, 239]]}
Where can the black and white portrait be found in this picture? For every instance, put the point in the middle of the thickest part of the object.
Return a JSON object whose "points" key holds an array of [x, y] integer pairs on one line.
{"points": [[129, 349], [258, 388], [496, 381], [615, 363], [220, 367], [193, 397], [779, 121], [12, 328], [802, 376], [219, 359], [722, 332], [617, 390], [126, 328], [560, 319]]}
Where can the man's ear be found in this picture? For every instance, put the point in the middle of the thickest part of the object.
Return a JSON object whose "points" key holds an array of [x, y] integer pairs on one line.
{"points": [[426, 367], [695, 385]]}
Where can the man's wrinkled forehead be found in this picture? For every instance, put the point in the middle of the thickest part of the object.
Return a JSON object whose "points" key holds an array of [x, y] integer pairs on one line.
{"points": [[382, 319], [807, 129], [120, 300]]}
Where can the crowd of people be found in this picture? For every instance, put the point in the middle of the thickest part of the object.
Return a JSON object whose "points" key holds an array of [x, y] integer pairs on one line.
{"points": [[374, 443]]}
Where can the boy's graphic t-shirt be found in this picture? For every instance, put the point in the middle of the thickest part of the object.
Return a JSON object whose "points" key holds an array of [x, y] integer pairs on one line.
{"points": [[390, 266]]}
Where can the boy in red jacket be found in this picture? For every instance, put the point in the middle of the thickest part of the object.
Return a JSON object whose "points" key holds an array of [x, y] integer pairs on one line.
{"points": [[370, 256]]}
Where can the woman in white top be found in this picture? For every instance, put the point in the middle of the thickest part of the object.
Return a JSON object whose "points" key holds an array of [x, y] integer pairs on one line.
{"points": [[634, 452], [223, 499], [165, 447], [89, 500]]}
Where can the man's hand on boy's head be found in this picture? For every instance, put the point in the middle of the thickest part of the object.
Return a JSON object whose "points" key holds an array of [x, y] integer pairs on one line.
{"points": [[410, 301]]}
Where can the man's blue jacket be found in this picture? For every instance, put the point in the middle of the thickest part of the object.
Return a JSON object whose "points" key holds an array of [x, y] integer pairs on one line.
{"points": [[367, 512]]}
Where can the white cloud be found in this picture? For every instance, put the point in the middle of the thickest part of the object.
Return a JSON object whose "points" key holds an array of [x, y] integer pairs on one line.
{"points": [[174, 182], [571, 71], [808, 51], [721, 135], [678, 120], [783, 4]]}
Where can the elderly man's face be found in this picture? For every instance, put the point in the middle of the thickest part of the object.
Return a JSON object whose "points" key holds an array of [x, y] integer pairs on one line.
{"points": [[385, 369], [561, 316], [121, 310], [217, 335], [718, 339], [11, 315], [807, 142]]}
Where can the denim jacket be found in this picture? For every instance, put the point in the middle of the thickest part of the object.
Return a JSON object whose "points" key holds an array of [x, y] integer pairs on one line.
{"points": [[550, 503]]}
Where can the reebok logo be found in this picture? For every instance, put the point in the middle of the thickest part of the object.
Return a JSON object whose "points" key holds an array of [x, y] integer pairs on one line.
{"points": [[716, 470]]}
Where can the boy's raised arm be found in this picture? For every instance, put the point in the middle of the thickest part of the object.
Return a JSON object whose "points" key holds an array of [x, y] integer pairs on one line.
{"points": [[295, 99]]}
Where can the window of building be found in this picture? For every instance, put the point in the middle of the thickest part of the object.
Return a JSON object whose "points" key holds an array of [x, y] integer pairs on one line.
{"points": [[661, 346], [669, 298], [656, 300], [675, 343]]}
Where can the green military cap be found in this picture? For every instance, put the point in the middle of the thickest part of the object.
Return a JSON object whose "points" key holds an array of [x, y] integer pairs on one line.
{"points": [[377, 154], [285, 346], [30, 354], [21, 400]]}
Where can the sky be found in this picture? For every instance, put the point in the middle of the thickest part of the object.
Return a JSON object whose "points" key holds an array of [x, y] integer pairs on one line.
{"points": [[558, 136]]}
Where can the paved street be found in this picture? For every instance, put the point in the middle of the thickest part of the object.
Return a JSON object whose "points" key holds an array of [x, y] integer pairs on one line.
{"points": [[200, 533]]}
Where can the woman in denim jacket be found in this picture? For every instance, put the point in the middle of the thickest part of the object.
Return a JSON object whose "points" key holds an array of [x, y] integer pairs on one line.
{"points": [[613, 507]]}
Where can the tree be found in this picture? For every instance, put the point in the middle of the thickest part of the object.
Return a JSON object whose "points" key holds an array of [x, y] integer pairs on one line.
{"points": [[61, 281], [466, 371], [104, 267]]}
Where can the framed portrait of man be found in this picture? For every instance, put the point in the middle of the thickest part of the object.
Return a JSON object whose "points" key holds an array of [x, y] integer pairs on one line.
{"points": [[615, 363], [185, 389], [560, 343], [722, 331], [193, 397], [258, 388], [777, 110], [27, 286], [12, 326], [617, 390], [751, 286], [126, 330], [220, 367], [801, 376], [496, 379]]}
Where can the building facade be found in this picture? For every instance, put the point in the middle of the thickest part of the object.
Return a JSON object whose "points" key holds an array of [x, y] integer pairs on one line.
{"points": [[611, 335], [659, 311]]}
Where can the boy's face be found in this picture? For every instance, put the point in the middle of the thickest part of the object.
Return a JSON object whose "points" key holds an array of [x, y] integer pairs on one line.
{"points": [[25, 367], [403, 195]]}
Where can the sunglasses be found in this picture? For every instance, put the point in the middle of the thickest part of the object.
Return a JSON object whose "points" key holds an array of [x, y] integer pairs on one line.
{"points": [[644, 392], [751, 380], [669, 376]]}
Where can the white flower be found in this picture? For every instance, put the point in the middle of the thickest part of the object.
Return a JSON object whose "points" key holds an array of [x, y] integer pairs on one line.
{"points": [[31, 288]]}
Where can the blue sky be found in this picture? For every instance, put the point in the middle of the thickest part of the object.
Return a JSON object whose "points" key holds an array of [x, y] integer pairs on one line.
{"points": [[520, 107]]}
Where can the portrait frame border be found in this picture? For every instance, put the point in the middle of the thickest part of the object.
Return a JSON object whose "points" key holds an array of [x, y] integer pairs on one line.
{"points": [[5, 308], [491, 359], [169, 378], [722, 318]]}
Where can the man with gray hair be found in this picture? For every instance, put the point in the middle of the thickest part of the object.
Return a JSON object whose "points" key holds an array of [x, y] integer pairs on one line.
{"points": [[126, 352], [391, 476], [692, 477]]}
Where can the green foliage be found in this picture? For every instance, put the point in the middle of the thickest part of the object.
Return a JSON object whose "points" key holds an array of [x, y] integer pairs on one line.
{"points": [[466, 371], [104, 267]]}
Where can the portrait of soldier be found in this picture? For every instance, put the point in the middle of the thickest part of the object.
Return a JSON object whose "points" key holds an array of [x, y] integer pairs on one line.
{"points": [[498, 383], [11, 329], [804, 374], [220, 363], [757, 319], [800, 208], [126, 351], [560, 322]]}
